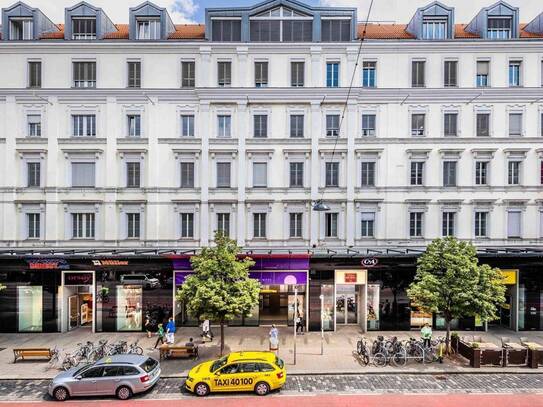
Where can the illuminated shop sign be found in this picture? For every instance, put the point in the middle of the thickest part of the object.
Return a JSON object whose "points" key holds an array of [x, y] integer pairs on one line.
{"points": [[110, 262], [48, 264], [77, 279]]}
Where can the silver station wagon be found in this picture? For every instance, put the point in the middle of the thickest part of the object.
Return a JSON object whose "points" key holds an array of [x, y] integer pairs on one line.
{"points": [[119, 375]]}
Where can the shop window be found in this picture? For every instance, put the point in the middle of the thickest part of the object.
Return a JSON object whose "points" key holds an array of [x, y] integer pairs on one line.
{"points": [[30, 306], [129, 311]]}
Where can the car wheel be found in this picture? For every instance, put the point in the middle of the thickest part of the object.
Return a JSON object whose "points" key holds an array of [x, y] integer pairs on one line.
{"points": [[123, 393], [262, 388], [201, 389], [61, 394]]}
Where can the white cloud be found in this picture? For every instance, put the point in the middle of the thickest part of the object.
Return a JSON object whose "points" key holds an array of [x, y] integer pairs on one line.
{"points": [[401, 11], [181, 11]]}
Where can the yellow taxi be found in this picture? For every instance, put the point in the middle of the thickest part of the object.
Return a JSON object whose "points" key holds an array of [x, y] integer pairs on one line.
{"points": [[260, 372]]}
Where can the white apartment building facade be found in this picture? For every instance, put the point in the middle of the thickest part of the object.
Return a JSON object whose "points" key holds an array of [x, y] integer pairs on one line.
{"points": [[153, 135]]}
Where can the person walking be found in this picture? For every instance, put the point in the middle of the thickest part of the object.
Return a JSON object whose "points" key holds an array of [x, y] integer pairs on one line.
{"points": [[170, 331], [148, 326], [160, 335], [206, 330], [274, 338], [426, 334]]}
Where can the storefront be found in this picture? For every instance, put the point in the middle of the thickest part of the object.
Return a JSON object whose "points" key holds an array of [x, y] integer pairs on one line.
{"points": [[283, 282]]}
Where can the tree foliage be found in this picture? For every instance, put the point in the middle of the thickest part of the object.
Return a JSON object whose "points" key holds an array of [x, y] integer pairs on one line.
{"points": [[220, 288], [450, 280]]}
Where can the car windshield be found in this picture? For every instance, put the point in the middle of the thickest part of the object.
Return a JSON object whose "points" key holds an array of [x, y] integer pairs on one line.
{"points": [[279, 362], [149, 365], [80, 370], [219, 363]]}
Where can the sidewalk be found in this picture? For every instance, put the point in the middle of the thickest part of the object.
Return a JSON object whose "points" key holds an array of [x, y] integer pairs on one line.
{"points": [[337, 358]]}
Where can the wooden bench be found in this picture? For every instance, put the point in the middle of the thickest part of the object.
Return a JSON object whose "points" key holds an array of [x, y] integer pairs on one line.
{"points": [[173, 352], [24, 353]]}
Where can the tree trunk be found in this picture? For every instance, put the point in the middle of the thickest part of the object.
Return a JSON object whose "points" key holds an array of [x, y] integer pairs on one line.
{"points": [[222, 336], [448, 336]]}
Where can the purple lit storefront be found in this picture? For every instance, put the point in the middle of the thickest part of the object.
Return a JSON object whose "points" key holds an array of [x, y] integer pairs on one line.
{"points": [[279, 276]]}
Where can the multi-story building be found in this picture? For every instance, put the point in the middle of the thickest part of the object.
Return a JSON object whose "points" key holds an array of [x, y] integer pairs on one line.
{"points": [[140, 140]]}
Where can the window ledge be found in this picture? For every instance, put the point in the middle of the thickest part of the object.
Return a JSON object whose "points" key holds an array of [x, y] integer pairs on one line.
{"points": [[30, 140], [179, 140], [82, 140], [132, 140]]}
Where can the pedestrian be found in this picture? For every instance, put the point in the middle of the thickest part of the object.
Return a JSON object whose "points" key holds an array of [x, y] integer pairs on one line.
{"points": [[274, 338], [206, 330], [160, 335], [298, 322], [426, 334], [170, 331], [148, 326]]}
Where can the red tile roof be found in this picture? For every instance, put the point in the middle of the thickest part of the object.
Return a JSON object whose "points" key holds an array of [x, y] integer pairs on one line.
{"points": [[527, 34], [121, 34], [460, 32], [384, 31], [188, 32], [54, 35]]}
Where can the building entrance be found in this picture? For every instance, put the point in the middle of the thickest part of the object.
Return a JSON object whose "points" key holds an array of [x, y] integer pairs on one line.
{"points": [[347, 304], [77, 300]]}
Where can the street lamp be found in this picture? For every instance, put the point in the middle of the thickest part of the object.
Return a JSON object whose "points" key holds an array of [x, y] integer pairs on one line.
{"points": [[322, 323], [320, 206], [295, 318]]}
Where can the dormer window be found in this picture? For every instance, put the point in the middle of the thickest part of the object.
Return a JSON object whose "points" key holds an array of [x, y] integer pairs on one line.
{"points": [[281, 24], [336, 30], [83, 28], [499, 28], [148, 29], [21, 29], [434, 28]]}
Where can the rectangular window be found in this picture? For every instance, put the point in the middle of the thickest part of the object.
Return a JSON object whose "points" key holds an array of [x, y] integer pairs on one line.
{"points": [[295, 222], [84, 125], [449, 173], [148, 29], [226, 30], [447, 228], [483, 71], [332, 125], [223, 175], [336, 30], [331, 224], [34, 125], [514, 73], [30, 308], [265, 30], [481, 224], [368, 224], [450, 124], [418, 74], [368, 174], [134, 125], [134, 74], [481, 172], [261, 74], [297, 30], [34, 175], [33, 223], [415, 224], [296, 125], [224, 126], [499, 28], [84, 74], [418, 124], [133, 225], [514, 224], [225, 73], [259, 225], [260, 175], [368, 125], [83, 175], [513, 172], [434, 28], [451, 74], [83, 225], [332, 174], [296, 175], [187, 225], [223, 223], [188, 76], [21, 29], [332, 74], [187, 125], [297, 74], [369, 69], [417, 173], [133, 175], [260, 126], [483, 124], [515, 124], [34, 74], [83, 28], [187, 175]]}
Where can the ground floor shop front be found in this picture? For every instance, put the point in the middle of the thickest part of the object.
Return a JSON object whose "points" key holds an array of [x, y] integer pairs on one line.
{"points": [[132, 294]]}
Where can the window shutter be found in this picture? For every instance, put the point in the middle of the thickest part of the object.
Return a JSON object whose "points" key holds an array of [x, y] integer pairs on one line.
{"points": [[260, 174], [83, 174], [515, 124], [482, 67], [513, 224]]}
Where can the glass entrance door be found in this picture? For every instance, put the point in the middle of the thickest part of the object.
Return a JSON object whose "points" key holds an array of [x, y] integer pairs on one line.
{"points": [[73, 307], [346, 304]]}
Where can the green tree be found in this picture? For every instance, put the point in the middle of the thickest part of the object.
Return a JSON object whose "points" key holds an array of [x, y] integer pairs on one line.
{"points": [[450, 280], [220, 288]]}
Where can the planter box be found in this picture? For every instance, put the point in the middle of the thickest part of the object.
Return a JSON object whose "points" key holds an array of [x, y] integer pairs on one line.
{"points": [[535, 358], [472, 354], [515, 356]]}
